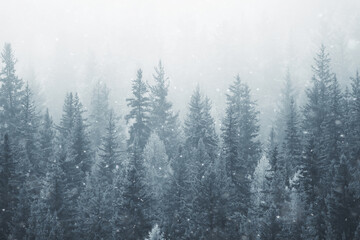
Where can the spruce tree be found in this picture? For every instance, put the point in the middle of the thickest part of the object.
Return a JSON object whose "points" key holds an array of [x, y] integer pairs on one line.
{"points": [[99, 111], [136, 221], [110, 156], [11, 92], [338, 203], [241, 151], [139, 114], [199, 124], [287, 96], [292, 143], [176, 207], [157, 171], [163, 120], [9, 181]]}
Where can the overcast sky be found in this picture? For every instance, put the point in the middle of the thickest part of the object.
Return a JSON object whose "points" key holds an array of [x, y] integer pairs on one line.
{"points": [[68, 45]]}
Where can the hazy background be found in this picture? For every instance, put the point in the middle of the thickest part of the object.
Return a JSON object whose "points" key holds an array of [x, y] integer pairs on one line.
{"points": [[68, 45]]}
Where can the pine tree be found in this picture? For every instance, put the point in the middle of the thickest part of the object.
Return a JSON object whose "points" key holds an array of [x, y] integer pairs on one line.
{"points": [[199, 124], [99, 112], [287, 96], [49, 210], [9, 181], [139, 113], [136, 222], [339, 201], [292, 143], [275, 222], [95, 209], [110, 157], [353, 143], [75, 158], [11, 92], [46, 141], [157, 171], [176, 207], [241, 151], [163, 120], [207, 209], [193, 124]]}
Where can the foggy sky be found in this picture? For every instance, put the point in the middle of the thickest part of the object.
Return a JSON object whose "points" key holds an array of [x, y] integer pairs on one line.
{"points": [[68, 45]]}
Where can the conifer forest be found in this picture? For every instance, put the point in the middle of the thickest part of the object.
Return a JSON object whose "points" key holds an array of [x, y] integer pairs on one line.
{"points": [[121, 121]]}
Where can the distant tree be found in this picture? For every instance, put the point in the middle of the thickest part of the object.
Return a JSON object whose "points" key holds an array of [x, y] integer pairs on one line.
{"points": [[163, 120], [241, 151], [135, 197], [339, 200], [157, 172], [75, 158], [292, 146], [110, 156], [9, 181], [139, 113], [176, 207], [199, 124], [11, 92], [287, 96], [353, 144], [99, 111], [95, 209]]}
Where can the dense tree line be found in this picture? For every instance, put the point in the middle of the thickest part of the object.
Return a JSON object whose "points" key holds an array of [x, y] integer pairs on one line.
{"points": [[84, 179]]}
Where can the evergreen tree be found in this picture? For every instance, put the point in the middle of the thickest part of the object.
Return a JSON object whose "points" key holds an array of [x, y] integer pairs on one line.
{"points": [[292, 143], [199, 124], [136, 200], [176, 207], [287, 96], [46, 141], [9, 181], [11, 92], [95, 209], [275, 223], [157, 171], [99, 111], [241, 151], [163, 120], [139, 113], [353, 144], [75, 158], [338, 203], [110, 151], [207, 212]]}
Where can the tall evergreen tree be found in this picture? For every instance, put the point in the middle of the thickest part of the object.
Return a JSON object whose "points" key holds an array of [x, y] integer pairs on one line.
{"points": [[353, 143], [11, 92], [199, 124], [292, 143], [135, 197], [287, 96], [241, 151], [99, 111], [163, 120], [9, 181], [110, 156], [139, 113], [176, 207], [157, 171]]}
